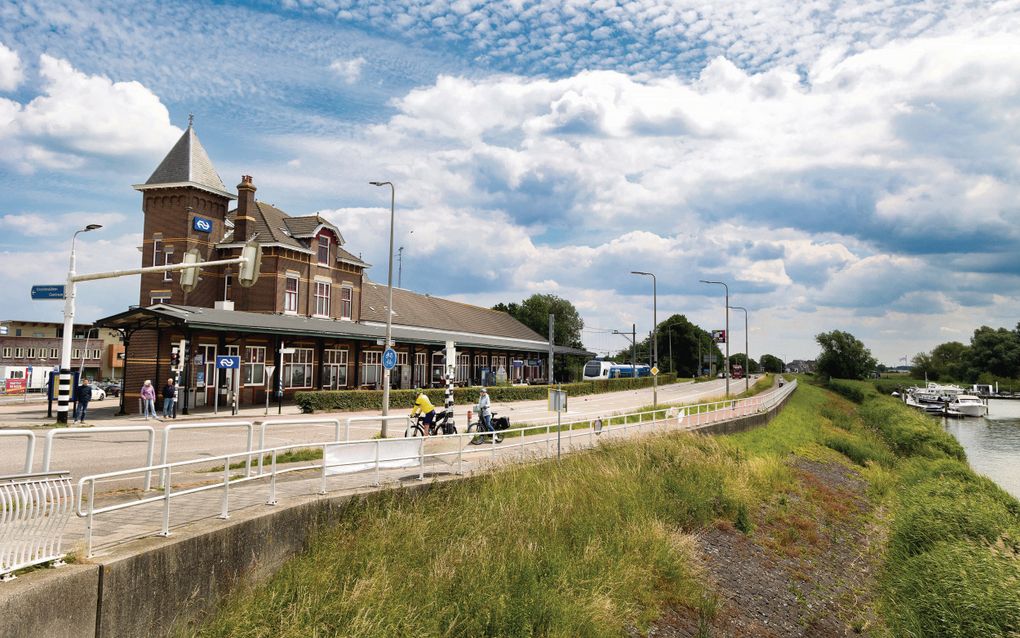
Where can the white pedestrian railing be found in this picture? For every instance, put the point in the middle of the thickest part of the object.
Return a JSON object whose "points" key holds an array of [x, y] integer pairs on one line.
{"points": [[34, 510], [69, 432], [248, 425], [369, 419], [317, 422], [29, 436], [377, 455]]}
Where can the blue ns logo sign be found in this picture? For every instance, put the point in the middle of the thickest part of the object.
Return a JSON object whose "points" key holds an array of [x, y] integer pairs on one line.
{"points": [[202, 225]]}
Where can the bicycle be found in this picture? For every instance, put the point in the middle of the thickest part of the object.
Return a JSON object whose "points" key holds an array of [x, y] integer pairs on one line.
{"points": [[440, 425], [483, 435]]}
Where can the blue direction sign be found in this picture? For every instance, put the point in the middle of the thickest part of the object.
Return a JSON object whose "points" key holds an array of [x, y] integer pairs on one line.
{"points": [[48, 292], [389, 358], [227, 362]]}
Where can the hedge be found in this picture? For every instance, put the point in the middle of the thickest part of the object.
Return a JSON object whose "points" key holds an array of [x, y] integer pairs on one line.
{"points": [[339, 400]]}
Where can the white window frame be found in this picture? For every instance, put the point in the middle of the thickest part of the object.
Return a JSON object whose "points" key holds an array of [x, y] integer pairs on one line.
{"points": [[334, 366], [463, 368], [167, 275], [289, 296], [76, 353], [157, 250], [254, 366], [19, 353], [371, 365], [438, 365], [54, 353], [318, 253], [303, 359], [160, 297], [31, 353], [322, 301], [346, 302], [7, 353], [421, 369]]}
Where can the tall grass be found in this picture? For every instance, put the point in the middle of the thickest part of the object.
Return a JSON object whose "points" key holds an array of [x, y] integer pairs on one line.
{"points": [[594, 546]]}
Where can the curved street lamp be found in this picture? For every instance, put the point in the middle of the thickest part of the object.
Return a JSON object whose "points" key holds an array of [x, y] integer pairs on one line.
{"points": [[747, 354], [726, 371], [389, 305], [64, 378]]}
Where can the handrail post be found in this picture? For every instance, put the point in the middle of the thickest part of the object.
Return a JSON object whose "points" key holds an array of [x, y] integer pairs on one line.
{"points": [[224, 510], [149, 459], [88, 520], [460, 456], [377, 442], [347, 430], [547, 438], [251, 441], [322, 484], [166, 501], [421, 459], [272, 480], [262, 444]]}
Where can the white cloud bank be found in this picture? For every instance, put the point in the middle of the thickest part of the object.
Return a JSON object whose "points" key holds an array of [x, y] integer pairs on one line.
{"points": [[79, 116], [11, 72]]}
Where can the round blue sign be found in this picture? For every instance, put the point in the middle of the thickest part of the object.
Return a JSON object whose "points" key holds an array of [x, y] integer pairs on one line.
{"points": [[389, 358]]}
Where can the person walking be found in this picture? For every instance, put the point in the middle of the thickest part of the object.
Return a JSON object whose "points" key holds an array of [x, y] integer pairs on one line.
{"points": [[84, 396], [169, 395], [148, 400]]}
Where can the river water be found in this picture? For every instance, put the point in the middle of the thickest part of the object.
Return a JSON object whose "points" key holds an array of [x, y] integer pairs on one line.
{"points": [[992, 442]]}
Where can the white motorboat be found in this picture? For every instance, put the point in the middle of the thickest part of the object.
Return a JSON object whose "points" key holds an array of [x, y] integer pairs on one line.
{"points": [[935, 393], [967, 405]]}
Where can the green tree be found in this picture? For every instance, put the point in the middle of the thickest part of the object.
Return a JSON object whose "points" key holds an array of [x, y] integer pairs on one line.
{"points": [[678, 341], [993, 351], [771, 363], [843, 356], [740, 359], [950, 359], [923, 367], [534, 313]]}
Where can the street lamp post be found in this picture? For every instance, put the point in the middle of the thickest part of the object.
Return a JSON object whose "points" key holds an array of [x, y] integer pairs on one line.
{"points": [[655, 335], [389, 305], [726, 371], [64, 379], [747, 355]]}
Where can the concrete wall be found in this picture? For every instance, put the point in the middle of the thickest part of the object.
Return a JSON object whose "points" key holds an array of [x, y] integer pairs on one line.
{"points": [[51, 603]]}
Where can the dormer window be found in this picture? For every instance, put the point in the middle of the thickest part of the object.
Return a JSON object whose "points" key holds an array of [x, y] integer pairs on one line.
{"points": [[324, 250]]}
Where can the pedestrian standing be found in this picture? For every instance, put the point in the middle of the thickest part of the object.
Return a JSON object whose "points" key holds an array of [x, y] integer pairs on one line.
{"points": [[169, 393], [84, 396], [148, 400]]}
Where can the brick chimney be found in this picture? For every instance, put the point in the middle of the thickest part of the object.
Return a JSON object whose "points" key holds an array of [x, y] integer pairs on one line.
{"points": [[243, 222]]}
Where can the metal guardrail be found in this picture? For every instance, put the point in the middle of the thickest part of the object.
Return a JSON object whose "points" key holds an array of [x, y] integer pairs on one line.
{"points": [[66, 432], [368, 419], [265, 426], [344, 458], [249, 425], [34, 510], [29, 445]]}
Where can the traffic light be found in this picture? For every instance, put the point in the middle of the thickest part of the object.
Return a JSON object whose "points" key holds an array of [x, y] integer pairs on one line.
{"points": [[248, 273], [175, 358], [189, 276]]}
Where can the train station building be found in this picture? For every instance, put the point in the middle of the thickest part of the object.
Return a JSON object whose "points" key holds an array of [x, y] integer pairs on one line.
{"points": [[313, 315]]}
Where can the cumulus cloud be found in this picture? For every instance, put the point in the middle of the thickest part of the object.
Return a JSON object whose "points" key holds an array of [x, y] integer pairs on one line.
{"points": [[348, 70], [80, 116], [41, 225], [11, 72]]}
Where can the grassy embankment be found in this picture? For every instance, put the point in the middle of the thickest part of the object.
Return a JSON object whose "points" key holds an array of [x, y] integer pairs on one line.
{"points": [[605, 541]]}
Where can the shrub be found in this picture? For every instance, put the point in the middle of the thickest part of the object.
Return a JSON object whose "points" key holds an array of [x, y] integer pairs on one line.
{"points": [[907, 432], [349, 400], [850, 391]]}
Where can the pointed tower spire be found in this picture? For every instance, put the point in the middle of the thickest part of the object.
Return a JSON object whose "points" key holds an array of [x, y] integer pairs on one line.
{"points": [[187, 164]]}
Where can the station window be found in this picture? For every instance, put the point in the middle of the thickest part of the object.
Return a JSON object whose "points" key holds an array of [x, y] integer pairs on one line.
{"points": [[297, 369], [346, 302], [334, 368], [290, 295], [322, 299], [159, 297], [7, 353], [31, 353], [254, 365], [371, 369], [53, 353], [323, 250]]}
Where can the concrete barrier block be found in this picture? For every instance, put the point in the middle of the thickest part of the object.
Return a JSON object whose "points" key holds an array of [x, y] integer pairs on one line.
{"points": [[50, 603]]}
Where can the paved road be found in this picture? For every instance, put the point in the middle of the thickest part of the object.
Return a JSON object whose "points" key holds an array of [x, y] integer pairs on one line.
{"points": [[92, 452]]}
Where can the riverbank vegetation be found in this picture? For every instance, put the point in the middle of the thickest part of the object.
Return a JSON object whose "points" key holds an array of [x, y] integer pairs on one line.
{"points": [[838, 518]]}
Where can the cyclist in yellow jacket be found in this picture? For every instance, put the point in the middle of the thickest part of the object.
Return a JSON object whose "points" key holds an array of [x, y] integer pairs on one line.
{"points": [[423, 406]]}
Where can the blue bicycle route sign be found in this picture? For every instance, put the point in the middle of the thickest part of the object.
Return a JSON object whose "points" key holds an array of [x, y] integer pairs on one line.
{"points": [[389, 358]]}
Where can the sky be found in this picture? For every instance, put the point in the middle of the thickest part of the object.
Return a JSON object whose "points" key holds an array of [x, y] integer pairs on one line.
{"points": [[840, 165]]}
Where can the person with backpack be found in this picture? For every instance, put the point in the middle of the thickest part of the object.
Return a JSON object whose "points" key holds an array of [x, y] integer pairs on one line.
{"points": [[169, 395], [84, 396]]}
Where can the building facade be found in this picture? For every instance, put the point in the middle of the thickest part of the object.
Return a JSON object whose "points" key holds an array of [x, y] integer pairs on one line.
{"points": [[312, 317], [30, 349]]}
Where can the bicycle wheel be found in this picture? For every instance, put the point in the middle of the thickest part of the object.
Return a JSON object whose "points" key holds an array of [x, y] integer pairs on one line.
{"points": [[478, 438], [413, 430]]}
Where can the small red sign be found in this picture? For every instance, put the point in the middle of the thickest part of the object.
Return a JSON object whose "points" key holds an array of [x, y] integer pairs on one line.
{"points": [[15, 386]]}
